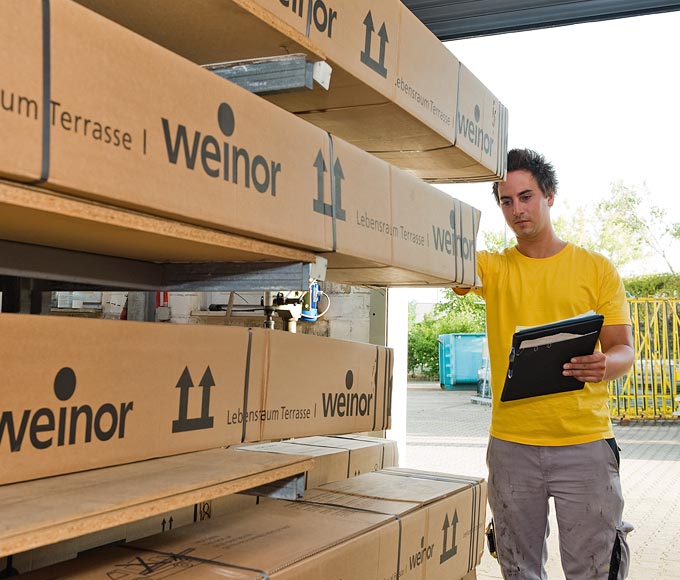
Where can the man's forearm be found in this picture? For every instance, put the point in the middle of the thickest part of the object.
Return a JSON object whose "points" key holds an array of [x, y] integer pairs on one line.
{"points": [[619, 361]]}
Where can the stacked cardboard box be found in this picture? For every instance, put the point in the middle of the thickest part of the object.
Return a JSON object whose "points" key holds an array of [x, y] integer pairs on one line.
{"points": [[80, 394], [378, 526], [93, 111], [335, 458], [142, 128], [395, 90], [390, 451], [379, 453]]}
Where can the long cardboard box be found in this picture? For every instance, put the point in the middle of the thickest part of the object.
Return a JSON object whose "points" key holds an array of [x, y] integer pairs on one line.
{"points": [[430, 235], [79, 393], [329, 464], [93, 110], [409, 525], [335, 458], [365, 455], [454, 542], [390, 449], [395, 89]]}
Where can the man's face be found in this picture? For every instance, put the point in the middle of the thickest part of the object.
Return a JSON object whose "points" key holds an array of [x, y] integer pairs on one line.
{"points": [[525, 208]]}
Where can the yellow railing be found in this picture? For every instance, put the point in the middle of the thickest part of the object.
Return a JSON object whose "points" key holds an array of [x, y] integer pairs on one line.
{"points": [[651, 390]]}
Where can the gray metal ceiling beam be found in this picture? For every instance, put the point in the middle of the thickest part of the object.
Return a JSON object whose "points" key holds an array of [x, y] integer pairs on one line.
{"points": [[456, 19], [78, 269], [71, 270]]}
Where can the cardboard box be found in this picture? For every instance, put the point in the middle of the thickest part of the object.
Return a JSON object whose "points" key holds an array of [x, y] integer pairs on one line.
{"points": [[142, 128], [445, 550], [395, 90], [335, 458], [481, 133], [194, 514], [390, 449], [429, 235], [132, 124], [70, 549], [330, 464], [315, 386], [82, 393], [363, 456], [401, 525]]}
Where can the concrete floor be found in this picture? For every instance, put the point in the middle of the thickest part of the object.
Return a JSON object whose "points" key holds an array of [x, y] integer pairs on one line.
{"points": [[447, 432]]}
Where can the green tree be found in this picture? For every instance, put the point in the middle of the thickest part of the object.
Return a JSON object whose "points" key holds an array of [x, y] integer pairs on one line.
{"points": [[423, 348], [462, 313], [653, 285], [496, 241], [455, 314], [625, 227], [578, 228], [411, 313]]}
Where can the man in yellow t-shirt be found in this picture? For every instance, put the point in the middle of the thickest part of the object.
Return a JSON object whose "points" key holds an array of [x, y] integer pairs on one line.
{"points": [[559, 445]]}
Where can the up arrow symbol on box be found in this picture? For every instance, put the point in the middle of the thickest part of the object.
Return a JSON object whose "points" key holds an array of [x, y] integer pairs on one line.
{"points": [[185, 383], [379, 65], [453, 550]]}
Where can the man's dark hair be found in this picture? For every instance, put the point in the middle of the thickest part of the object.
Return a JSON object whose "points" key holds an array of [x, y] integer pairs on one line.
{"points": [[528, 160]]}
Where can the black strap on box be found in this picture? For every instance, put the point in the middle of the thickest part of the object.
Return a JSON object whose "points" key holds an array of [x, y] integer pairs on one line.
{"points": [[246, 386], [47, 93]]}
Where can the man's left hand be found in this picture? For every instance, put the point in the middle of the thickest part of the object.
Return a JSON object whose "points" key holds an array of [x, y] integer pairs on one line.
{"points": [[589, 369]]}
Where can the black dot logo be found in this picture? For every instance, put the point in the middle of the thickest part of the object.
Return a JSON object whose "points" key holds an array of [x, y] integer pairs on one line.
{"points": [[349, 380], [452, 218], [65, 384], [225, 119], [478, 113]]}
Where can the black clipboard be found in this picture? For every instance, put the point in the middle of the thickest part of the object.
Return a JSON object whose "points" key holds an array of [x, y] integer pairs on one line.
{"points": [[539, 353]]}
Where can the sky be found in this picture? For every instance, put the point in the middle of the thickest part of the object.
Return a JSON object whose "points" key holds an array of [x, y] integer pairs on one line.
{"points": [[599, 100]]}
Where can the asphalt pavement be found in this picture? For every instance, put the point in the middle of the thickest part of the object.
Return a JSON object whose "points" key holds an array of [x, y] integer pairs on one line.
{"points": [[446, 431]]}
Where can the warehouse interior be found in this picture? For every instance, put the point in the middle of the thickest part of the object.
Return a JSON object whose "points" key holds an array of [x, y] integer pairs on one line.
{"points": [[216, 199]]}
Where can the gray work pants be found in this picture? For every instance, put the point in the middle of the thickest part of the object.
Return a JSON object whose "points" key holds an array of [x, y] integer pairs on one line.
{"points": [[584, 482]]}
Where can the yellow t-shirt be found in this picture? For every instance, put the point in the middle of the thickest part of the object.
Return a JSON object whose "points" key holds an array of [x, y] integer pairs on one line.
{"points": [[521, 291]]}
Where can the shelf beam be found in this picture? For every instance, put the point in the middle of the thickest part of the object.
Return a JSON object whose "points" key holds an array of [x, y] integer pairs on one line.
{"points": [[73, 270]]}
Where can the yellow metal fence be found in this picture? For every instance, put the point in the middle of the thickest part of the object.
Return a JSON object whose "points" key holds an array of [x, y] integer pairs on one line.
{"points": [[651, 390]]}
